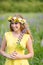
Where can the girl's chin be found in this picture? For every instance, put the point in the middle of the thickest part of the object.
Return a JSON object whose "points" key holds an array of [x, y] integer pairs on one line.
{"points": [[15, 30]]}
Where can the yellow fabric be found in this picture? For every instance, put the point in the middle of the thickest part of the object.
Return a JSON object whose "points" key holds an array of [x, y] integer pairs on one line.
{"points": [[11, 47]]}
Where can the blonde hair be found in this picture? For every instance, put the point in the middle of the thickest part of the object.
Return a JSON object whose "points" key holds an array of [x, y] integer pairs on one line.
{"points": [[23, 26]]}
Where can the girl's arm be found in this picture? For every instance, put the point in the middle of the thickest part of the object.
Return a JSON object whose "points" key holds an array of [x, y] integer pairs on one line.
{"points": [[29, 47], [3, 47]]}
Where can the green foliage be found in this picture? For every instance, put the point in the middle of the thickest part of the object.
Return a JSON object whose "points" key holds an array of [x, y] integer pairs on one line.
{"points": [[21, 6], [36, 27], [23, 0], [19, 47], [2, 60]]}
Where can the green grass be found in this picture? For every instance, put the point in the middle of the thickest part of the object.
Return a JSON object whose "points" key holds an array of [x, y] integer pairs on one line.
{"points": [[35, 21], [21, 6]]}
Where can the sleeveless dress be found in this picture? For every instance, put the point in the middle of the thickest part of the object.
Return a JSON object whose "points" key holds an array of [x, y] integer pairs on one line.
{"points": [[12, 46]]}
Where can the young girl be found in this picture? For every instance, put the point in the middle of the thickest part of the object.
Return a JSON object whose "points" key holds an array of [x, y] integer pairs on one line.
{"points": [[15, 41]]}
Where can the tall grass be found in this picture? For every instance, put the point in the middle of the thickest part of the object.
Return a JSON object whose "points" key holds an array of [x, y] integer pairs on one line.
{"points": [[35, 21], [24, 6]]}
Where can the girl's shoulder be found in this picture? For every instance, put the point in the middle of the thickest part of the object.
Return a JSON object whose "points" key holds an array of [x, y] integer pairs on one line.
{"points": [[27, 35], [8, 33]]}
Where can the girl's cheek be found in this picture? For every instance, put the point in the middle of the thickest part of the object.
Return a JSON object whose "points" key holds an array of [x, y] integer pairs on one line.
{"points": [[13, 25]]}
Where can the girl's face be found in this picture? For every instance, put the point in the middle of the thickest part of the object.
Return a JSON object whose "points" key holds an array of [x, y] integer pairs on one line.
{"points": [[15, 26]]}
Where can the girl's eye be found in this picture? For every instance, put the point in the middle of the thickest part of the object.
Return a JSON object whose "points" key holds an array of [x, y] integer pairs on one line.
{"points": [[16, 23], [12, 23]]}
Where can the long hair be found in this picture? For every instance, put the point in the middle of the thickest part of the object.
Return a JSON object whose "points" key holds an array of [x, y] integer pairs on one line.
{"points": [[22, 26]]}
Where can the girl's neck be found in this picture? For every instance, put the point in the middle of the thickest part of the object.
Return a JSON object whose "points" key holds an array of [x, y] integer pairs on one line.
{"points": [[17, 32]]}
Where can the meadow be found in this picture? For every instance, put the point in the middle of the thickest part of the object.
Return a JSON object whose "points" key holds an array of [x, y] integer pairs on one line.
{"points": [[35, 22], [21, 6]]}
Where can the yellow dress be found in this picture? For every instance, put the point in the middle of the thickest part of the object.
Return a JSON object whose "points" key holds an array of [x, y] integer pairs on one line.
{"points": [[12, 46]]}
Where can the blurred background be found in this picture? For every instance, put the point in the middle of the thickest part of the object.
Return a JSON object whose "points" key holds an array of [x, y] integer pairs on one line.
{"points": [[32, 10]]}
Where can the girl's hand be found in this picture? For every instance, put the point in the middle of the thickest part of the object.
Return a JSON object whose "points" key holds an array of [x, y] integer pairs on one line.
{"points": [[15, 55], [8, 56]]}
